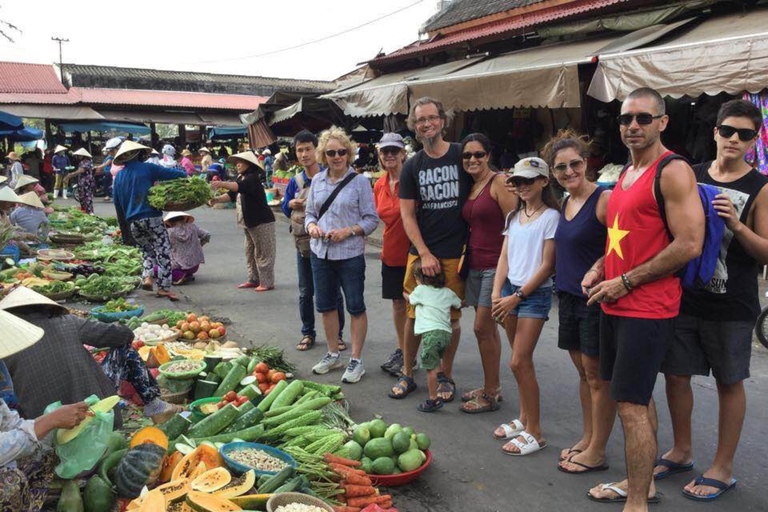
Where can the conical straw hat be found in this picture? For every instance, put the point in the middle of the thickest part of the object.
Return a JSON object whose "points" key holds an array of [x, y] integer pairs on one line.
{"points": [[25, 180], [59, 149], [16, 334], [127, 147], [3, 179], [82, 152], [23, 296], [8, 195], [248, 156], [31, 199]]}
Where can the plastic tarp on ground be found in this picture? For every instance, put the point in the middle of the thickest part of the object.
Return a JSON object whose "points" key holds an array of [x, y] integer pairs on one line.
{"points": [[62, 112], [105, 126], [227, 132], [22, 134], [545, 76], [724, 54]]}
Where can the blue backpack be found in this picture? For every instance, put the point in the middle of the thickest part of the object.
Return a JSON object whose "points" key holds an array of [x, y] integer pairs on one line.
{"points": [[697, 273]]}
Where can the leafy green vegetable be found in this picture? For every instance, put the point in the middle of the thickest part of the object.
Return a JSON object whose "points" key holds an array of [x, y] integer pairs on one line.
{"points": [[53, 287], [106, 286], [118, 306], [181, 190]]}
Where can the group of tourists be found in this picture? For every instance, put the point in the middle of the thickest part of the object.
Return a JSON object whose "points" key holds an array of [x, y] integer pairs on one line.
{"points": [[457, 233]]}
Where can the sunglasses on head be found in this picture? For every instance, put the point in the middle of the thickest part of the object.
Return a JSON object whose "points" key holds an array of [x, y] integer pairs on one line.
{"points": [[333, 152], [390, 150], [745, 134], [643, 118], [576, 165], [479, 155]]}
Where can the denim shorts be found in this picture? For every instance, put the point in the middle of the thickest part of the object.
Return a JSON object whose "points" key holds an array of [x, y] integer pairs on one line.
{"points": [[329, 275], [536, 305]]}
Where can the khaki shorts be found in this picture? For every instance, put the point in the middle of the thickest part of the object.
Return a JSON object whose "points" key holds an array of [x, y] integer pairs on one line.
{"points": [[452, 280]]}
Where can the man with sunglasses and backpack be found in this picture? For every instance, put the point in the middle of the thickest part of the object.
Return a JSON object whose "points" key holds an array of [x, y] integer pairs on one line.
{"points": [[714, 329], [636, 285]]}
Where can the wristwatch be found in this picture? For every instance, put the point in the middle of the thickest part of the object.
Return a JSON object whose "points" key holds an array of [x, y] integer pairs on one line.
{"points": [[519, 294], [352, 232]]}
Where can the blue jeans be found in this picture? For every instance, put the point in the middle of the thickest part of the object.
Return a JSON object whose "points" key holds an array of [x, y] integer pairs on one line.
{"points": [[330, 274], [307, 298]]}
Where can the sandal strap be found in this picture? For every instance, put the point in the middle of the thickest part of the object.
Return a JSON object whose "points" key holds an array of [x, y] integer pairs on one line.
{"points": [[612, 487]]}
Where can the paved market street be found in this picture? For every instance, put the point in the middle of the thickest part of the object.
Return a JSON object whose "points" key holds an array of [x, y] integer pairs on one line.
{"points": [[469, 473]]}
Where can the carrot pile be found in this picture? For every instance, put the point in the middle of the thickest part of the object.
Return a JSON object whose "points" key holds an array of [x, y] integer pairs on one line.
{"points": [[359, 491]]}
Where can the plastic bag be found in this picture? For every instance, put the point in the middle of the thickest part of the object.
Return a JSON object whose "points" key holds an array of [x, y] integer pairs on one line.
{"points": [[84, 451]]}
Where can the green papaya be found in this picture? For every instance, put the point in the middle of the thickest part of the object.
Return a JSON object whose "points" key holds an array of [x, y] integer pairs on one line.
{"points": [[70, 500], [98, 495]]}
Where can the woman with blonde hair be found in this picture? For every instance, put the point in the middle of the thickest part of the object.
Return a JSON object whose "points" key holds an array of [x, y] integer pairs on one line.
{"points": [[340, 213]]}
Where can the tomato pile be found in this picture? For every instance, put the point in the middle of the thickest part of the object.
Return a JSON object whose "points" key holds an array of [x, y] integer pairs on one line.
{"points": [[232, 398], [266, 378]]}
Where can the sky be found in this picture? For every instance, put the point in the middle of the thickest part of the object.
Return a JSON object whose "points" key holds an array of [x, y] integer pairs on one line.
{"points": [[225, 36]]}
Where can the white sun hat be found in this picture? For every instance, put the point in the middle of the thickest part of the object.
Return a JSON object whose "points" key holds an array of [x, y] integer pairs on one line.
{"points": [[82, 152], [31, 199], [175, 215], [8, 195], [59, 149], [23, 296], [127, 147], [25, 180], [248, 156], [16, 334]]}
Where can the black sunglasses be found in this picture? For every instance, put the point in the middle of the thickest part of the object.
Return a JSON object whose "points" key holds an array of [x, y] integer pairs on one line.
{"points": [[745, 134], [573, 164], [333, 152], [479, 155], [390, 150], [518, 181], [642, 118]]}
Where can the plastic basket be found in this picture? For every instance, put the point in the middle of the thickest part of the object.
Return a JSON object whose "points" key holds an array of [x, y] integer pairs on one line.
{"points": [[241, 468], [113, 316], [402, 478], [194, 407], [11, 251], [190, 374], [286, 498]]}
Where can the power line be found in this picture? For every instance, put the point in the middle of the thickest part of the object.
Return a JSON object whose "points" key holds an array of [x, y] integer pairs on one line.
{"points": [[273, 52]]}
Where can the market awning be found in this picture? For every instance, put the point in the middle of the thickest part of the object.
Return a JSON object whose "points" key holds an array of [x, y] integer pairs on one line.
{"points": [[388, 94], [105, 126], [22, 135], [724, 54], [8, 121], [215, 119], [260, 134], [227, 132], [63, 112], [545, 76], [151, 116]]}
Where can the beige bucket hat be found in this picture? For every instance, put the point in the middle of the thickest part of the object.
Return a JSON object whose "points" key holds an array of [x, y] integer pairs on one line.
{"points": [[248, 156], [59, 149], [8, 195], [24, 181], [127, 147], [16, 334], [82, 152], [23, 296], [31, 199]]}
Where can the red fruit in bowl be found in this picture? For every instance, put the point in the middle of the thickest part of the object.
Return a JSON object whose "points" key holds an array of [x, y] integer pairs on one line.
{"points": [[231, 395]]}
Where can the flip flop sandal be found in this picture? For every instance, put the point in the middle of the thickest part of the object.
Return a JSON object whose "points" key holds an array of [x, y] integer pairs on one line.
{"points": [[248, 284], [531, 445], [571, 453], [406, 386], [446, 385], [491, 406], [621, 495], [587, 469], [431, 405], [722, 488], [511, 430], [306, 343], [471, 395], [672, 468]]}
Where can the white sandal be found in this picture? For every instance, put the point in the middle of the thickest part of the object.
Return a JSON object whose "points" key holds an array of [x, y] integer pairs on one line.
{"points": [[531, 445], [511, 430]]}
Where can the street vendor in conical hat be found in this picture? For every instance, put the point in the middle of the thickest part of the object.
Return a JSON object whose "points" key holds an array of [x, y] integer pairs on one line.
{"points": [[26, 457], [59, 367]]}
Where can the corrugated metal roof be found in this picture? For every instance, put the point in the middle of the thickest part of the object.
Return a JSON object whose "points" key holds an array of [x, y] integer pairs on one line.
{"points": [[76, 74], [491, 30], [169, 99], [461, 11], [19, 77]]}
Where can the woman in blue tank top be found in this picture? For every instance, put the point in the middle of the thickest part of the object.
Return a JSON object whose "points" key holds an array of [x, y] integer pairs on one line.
{"points": [[579, 246]]}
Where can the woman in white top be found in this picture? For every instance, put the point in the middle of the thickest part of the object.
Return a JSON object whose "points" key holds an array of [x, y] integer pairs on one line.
{"points": [[522, 294]]}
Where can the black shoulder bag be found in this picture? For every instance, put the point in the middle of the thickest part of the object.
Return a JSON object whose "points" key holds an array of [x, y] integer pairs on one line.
{"points": [[328, 202]]}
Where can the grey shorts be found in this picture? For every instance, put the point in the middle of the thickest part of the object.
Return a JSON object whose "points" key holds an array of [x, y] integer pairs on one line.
{"points": [[699, 345], [478, 288]]}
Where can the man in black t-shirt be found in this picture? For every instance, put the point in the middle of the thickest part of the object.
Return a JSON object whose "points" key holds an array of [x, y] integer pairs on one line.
{"points": [[433, 188], [714, 329]]}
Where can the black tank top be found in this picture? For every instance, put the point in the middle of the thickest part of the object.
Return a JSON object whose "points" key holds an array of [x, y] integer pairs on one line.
{"points": [[732, 294]]}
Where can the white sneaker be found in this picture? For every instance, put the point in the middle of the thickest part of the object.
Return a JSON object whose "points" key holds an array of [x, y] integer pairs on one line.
{"points": [[327, 363], [354, 372]]}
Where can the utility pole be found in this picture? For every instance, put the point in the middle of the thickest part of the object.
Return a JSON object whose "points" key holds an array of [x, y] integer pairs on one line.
{"points": [[61, 68]]}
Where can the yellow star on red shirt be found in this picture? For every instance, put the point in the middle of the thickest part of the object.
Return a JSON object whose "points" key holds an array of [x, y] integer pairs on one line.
{"points": [[615, 236]]}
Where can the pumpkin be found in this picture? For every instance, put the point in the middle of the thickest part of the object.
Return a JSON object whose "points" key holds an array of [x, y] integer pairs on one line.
{"points": [[139, 467], [203, 453], [174, 491], [169, 464], [202, 502], [212, 480], [161, 354], [238, 486], [154, 501], [151, 435], [98, 495]]}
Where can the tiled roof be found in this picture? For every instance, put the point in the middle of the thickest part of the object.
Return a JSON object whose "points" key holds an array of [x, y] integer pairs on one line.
{"points": [[495, 29], [18, 77], [169, 99], [78, 75], [461, 11]]}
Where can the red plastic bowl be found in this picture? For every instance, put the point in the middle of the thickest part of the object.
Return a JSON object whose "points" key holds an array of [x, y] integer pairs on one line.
{"points": [[402, 478]]}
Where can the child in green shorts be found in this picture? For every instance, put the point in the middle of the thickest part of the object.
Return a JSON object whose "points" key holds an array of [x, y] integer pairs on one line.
{"points": [[433, 303]]}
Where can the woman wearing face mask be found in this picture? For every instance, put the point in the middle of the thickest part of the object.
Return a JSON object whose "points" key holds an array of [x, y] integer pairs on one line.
{"points": [[340, 213], [522, 294], [579, 244], [485, 210], [255, 217]]}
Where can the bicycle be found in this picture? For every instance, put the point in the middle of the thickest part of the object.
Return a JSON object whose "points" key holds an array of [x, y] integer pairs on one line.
{"points": [[761, 327]]}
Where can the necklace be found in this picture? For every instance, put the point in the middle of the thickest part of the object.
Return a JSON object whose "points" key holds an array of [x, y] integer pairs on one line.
{"points": [[529, 215]]}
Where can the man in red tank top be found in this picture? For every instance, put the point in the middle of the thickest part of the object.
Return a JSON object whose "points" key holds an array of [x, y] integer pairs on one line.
{"points": [[636, 286]]}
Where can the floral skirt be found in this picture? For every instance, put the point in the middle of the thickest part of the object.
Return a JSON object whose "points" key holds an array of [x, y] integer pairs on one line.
{"points": [[24, 488]]}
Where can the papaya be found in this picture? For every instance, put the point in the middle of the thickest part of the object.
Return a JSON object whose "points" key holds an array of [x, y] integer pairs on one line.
{"points": [[202, 502], [154, 501], [238, 485], [169, 464], [174, 491], [202, 454], [98, 495], [212, 480], [70, 500]]}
